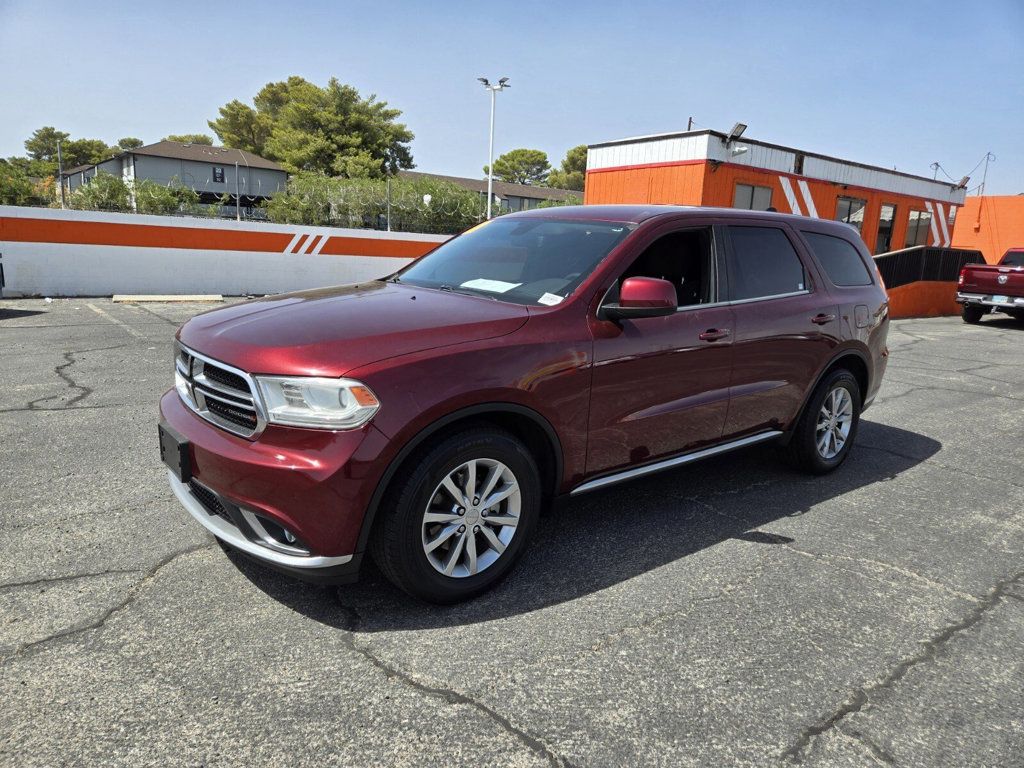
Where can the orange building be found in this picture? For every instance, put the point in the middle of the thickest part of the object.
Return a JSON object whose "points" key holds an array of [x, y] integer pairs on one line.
{"points": [[991, 224], [890, 209]]}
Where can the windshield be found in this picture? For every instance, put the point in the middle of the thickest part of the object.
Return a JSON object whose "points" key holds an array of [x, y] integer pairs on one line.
{"points": [[1013, 259], [521, 260]]}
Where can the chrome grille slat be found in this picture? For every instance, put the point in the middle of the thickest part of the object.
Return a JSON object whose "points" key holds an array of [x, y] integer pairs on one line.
{"points": [[212, 396]]}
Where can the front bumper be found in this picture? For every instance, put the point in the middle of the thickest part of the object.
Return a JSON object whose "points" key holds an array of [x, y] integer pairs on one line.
{"points": [[313, 483], [985, 299]]}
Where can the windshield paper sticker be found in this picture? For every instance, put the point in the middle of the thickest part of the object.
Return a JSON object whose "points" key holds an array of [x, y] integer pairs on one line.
{"points": [[494, 286], [550, 299]]}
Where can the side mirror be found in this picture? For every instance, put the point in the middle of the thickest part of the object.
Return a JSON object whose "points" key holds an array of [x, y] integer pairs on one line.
{"points": [[641, 297]]}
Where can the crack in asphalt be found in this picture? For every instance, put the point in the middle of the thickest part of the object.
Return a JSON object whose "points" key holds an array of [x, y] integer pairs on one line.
{"points": [[36, 646], [68, 577], [860, 697], [68, 379], [875, 749], [448, 695]]}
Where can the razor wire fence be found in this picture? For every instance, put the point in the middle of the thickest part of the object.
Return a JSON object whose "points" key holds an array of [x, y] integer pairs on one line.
{"points": [[421, 204]]}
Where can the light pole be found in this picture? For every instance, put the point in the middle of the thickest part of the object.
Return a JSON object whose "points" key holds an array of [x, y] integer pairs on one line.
{"points": [[501, 85]]}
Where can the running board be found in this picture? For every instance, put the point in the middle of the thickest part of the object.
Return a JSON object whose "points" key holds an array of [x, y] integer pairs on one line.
{"points": [[677, 461]]}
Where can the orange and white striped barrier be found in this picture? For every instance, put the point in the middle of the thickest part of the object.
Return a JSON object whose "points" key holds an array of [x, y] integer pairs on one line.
{"points": [[86, 253]]}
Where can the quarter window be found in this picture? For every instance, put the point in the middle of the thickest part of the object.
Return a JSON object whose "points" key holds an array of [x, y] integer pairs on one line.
{"points": [[840, 260], [752, 198], [850, 210], [762, 262], [883, 244], [918, 226]]}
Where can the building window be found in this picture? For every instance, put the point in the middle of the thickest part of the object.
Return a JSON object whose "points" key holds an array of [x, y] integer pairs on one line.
{"points": [[918, 226], [850, 210], [752, 198], [218, 174], [884, 242]]}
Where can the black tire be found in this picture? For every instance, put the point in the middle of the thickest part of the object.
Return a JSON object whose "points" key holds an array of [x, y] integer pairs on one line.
{"points": [[397, 545], [972, 314], [1018, 315], [802, 451]]}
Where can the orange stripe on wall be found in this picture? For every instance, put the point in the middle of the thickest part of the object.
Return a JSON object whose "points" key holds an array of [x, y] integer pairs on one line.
{"points": [[367, 246], [154, 236]]}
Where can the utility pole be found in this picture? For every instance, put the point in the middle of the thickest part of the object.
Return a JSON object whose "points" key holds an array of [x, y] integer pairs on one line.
{"points": [[389, 201], [988, 156], [501, 85], [60, 174], [238, 199], [935, 167], [689, 123]]}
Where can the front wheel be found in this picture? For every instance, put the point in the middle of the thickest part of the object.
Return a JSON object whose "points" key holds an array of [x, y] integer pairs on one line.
{"points": [[458, 520], [825, 432], [972, 314]]}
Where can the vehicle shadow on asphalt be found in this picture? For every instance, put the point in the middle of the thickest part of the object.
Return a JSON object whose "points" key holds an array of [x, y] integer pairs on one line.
{"points": [[596, 541], [13, 314]]}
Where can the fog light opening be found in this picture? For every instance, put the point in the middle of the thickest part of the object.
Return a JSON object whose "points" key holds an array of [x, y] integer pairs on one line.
{"points": [[272, 534]]}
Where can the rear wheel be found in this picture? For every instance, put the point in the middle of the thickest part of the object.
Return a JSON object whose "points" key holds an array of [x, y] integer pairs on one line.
{"points": [[825, 432], [456, 523], [972, 313], [1017, 314]]}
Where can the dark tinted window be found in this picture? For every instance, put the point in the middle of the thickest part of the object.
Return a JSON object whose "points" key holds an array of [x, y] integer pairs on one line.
{"points": [[840, 259], [684, 259], [1013, 259], [763, 263]]}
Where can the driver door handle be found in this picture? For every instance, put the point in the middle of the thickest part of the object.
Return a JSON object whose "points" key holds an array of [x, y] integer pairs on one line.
{"points": [[822, 318], [714, 334]]}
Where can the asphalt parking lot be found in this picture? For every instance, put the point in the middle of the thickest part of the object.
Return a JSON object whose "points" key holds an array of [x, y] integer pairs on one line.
{"points": [[730, 613]]}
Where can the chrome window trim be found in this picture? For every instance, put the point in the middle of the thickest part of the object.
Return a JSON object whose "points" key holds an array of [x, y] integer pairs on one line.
{"points": [[769, 298], [198, 404], [229, 533]]}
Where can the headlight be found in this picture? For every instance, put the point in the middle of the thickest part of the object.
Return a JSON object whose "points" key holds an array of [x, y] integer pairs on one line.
{"points": [[302, 401]]}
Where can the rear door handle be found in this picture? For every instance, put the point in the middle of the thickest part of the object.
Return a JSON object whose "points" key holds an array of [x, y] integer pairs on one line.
{"points": [[822, 318], [714, 334]]}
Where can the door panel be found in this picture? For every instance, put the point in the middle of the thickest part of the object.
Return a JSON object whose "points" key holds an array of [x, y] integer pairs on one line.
{"points": [[658, 388], [778, 352]]}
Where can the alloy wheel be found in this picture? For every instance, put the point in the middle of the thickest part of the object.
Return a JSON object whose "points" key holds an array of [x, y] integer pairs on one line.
{"points": [[834, 422], [471, 518]]}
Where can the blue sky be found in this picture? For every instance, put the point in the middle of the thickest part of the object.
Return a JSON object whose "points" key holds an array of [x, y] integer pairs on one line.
{"points": [[886, 83]]}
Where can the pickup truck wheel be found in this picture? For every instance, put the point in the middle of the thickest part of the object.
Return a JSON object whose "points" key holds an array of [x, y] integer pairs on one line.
{"points": [[972, 314], [826, 429], [458, 520]]}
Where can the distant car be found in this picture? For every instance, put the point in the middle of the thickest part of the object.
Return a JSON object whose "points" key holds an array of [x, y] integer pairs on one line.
{"points": [[427, 417], [984, 288]]}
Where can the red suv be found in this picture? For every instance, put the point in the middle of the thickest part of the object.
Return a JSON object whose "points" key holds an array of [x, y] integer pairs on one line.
{"points": [[428, 417]]}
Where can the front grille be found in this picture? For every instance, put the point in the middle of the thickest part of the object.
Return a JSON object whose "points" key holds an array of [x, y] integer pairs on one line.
{"points": [[210, 501], [227, 378], [220, 394], [235, 414]]}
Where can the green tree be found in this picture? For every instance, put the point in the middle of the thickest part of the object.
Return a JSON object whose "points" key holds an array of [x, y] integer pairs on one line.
{"points": [[573, 172], [330, 130], [571, 200], [129, 143], [103, 192], [41, 147], [522, 166], [190, 138], [151, 197], [15, 186]]}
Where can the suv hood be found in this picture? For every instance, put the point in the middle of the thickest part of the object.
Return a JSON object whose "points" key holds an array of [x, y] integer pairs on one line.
{"points": [[330, 331]]}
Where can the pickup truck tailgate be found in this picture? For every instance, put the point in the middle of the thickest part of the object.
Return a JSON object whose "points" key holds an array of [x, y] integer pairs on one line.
{"points": [[986, 280]]}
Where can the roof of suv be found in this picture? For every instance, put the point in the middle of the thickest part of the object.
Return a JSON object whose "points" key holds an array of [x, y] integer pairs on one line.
{"points": [[637, 214]]}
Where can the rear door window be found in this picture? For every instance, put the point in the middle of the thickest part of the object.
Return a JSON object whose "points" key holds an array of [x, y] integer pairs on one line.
{"points": [[762, 263], [839, 258]]}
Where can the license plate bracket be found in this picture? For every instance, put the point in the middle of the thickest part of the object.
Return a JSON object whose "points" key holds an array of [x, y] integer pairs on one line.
{"points": [[174, 452], [1000, 300]]}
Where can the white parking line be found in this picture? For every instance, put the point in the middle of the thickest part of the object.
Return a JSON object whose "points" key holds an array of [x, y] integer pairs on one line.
{"points": [[127, 328]]}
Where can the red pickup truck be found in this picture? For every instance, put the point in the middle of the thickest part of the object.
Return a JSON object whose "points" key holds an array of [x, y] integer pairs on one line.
{"points": [[985, 288]]}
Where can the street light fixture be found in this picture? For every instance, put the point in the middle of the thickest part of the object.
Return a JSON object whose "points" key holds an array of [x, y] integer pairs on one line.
{"points": [[501, 85]]}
